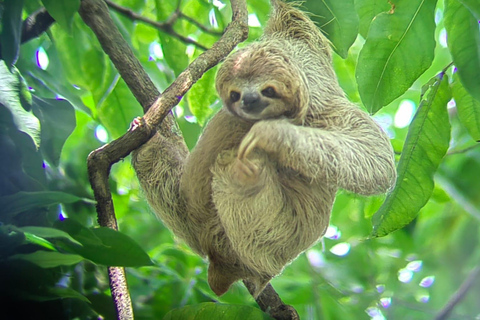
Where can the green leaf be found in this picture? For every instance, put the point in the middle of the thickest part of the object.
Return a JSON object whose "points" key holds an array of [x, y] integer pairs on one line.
{"points": [[47, 259], [473, 6], [121, 250], [57, 120], [338, 20], [426, 144], [118, 110], [11, 31], [216, 311], [10, 91], [467, 107], [63, 293], [105, 246], [463, 39], [44, 232], [62, 11], [399, 48], [367, 10], [23, 201], [202, 96], [31, 238]]}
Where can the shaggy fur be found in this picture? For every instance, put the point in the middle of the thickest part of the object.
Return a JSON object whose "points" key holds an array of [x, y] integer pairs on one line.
{"points": [[258, 188]]}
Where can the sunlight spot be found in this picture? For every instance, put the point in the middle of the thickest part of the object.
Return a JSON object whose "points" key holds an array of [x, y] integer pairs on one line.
{"points": [[178, 110], [423, 298], [438, 16], [155, 51], [315, 258], [101, 133], [42, 58], [213, 19], [405, 275], [451, 104], [253, 20], [340, 249], [122, 191], [427, 281], [219, 4], [380, 288], [191, 119], [386, 302], [385, 121], [375, 313], [442, 38], [333, 233], [415, 266], [404, 114]]}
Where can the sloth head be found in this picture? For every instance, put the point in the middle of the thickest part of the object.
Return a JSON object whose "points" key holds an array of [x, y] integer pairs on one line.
{"points": [[260, 82]]}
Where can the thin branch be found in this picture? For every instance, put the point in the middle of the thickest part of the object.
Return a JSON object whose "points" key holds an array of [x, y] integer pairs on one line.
{"points": [[36, 24], [166, 27], [199, 25], [459, 294], [269, 301], [460, 151]]}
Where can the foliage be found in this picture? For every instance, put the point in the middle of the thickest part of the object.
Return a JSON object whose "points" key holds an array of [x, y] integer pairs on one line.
{"points": [[61, 97]]}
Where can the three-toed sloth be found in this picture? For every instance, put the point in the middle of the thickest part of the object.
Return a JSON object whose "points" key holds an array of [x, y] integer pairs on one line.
{"points": [[258, 188]]}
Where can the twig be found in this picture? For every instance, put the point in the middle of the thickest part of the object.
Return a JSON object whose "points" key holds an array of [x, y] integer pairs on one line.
{"points": [[270, 302], [199, 25], [166, 27], [459, 294], [36, 24], [460, 151]]}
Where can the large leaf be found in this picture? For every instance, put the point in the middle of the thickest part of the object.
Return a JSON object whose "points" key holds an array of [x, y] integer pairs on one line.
{"points": [[118, 110], [10, 91], [467, 107], [11, 31], [426, 144], [23, 201], [214, 311], [48, 259], [473, 6], [464, 44], [62, 11], [202, 96], [44, 232], [82, 59], [105, 246], [399, 48], [57, 119], [367, 10], [338, 20]]}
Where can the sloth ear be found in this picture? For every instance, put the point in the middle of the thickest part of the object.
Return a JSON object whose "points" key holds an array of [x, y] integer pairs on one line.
{"points": [[220, 279]]}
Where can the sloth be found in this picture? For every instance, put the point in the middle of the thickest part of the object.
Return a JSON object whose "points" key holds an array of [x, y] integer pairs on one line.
{"points": [[258, 188]]}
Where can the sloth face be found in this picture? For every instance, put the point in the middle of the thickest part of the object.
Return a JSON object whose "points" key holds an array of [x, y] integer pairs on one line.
{"points": [[252, 101], [259, 82]]}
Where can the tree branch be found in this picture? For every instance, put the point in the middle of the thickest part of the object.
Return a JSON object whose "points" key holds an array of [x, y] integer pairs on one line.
{"points": [[459, 294], [166, 27], [36, 24], [269, 301]]}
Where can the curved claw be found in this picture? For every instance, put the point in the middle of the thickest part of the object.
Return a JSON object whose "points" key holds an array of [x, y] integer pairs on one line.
{"points": [[246, 147]]}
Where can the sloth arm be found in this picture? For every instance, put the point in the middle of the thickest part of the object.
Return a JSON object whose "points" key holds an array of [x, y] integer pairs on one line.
{"points": [[345, 147]]}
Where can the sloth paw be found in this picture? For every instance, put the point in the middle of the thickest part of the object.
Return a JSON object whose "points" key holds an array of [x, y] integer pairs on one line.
{"points": [[246, 172]]}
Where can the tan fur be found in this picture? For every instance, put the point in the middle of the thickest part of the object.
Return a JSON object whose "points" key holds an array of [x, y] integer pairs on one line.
{"points": [[258, 188]]}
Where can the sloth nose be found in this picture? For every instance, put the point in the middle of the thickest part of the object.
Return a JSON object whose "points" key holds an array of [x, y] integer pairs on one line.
{"points": [[252, 102], [250, 98]]}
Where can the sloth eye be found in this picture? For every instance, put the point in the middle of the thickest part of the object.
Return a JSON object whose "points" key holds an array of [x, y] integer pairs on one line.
{"points": [[269, 92], [234, 96]]}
